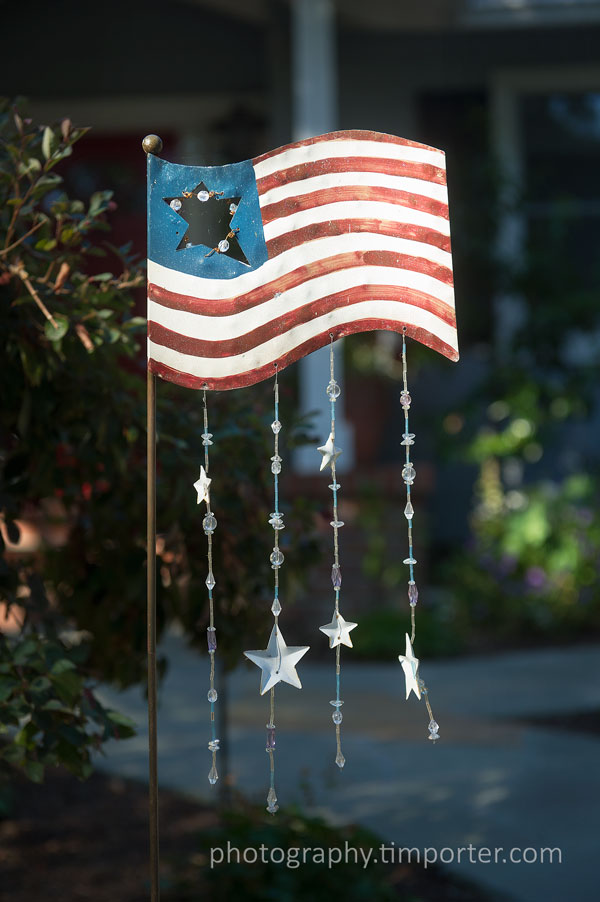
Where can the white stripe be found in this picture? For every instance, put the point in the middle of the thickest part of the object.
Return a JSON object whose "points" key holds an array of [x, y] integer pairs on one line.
{"points": [[336, 148], [217, 328], [269, 351], [361, 209], [320, 249], [347, 179]]}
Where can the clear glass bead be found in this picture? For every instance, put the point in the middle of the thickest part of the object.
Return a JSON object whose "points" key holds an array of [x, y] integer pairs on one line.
{"points": [[276, 426], [333, 390], [206, 438], [276, 520], [275, 465], [272, 809], [276, 607], [434, 731], [270, 737], [203, 196], [188, 244], [232, 208], [409, 560], [209, 524], [213, 745], [223, 246], [409, 511], [337, 716], [408, 474], [271, 797], [211, 639], [336, 702], [213, 776], [405, 399], [413, 593], [210, 581], [175, 204], [337, 524], [336, 576], [340, 760], [276, 558], [212, 695], [408, 438], [335, 486]]}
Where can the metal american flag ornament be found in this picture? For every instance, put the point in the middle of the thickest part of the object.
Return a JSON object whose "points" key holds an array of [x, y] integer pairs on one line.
{"points": [[254, 265]]}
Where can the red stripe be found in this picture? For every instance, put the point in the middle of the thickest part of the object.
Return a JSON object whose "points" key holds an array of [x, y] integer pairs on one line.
{"points": [[352, 193], [231, 347], [424, 171], [264, 372], [351, 135], [229, 306], [316, 230]]}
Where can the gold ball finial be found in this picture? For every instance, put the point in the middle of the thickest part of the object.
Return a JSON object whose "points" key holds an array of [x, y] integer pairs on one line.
{"points": [[152, 144]]}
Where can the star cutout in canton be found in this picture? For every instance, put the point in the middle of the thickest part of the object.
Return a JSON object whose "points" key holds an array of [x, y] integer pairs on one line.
{"points": [[208, 216], [277, 662], [338, 631], [202, 486], [330, 452], [410, 665]]}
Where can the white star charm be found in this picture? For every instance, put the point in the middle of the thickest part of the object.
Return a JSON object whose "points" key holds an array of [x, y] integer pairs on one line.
{"points": [[410, 665], [202, 486], [277, 662], [338, 631], [330, 452]]}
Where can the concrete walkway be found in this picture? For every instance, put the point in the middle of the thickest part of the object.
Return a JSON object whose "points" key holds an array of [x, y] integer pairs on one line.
{"points": [[492, 780]]}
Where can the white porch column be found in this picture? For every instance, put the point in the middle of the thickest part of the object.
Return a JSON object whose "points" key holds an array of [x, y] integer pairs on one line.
{"points": [[314, 79]]}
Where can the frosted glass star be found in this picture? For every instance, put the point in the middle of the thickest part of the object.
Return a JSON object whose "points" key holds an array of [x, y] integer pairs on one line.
{"points": [[410, 665], [202, 486], [338, 631], [329, 451], [277, 662]]}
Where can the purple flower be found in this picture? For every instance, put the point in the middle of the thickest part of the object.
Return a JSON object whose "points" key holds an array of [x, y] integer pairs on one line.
{"points": [[535, 577]]}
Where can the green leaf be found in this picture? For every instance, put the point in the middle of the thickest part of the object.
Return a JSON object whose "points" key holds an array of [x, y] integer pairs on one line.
{"points": [[34, 770], [46, 244], [7, 685], [62, 327], [120, 719], [41, 684], [25, 736], [68, 686], [24, 651], [49, 142], [55, 705], [61, 666]]}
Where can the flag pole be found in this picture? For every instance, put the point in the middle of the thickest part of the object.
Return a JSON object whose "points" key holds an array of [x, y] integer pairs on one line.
{"points": [[152, 144]]}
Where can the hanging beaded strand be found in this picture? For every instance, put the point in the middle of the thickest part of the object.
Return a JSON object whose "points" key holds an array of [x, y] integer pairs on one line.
{"points": [[276, 558], [209, 524], [338, 631], [408, 475]]}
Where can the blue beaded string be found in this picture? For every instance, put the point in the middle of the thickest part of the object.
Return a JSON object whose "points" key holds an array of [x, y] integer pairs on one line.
{"points": [[409, 475], [211, 635]]}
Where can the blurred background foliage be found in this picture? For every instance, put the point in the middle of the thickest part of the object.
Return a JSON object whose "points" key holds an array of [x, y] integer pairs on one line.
{"points": [[73, 471], [519, 560]]}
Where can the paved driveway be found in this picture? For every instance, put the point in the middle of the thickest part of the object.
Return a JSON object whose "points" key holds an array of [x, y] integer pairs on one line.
{"points": [[492, 780]]}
